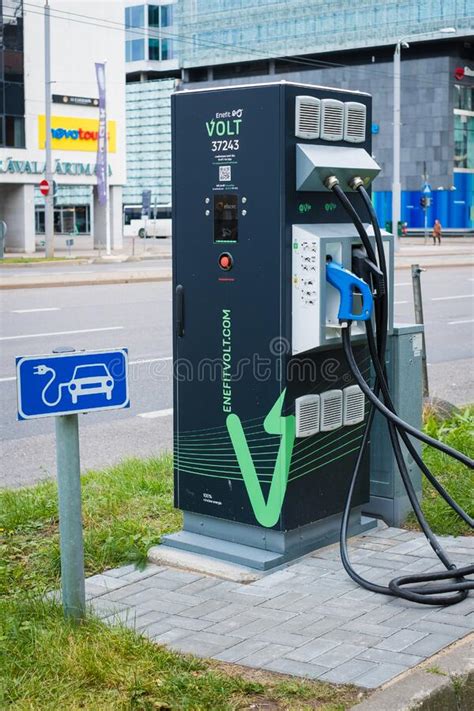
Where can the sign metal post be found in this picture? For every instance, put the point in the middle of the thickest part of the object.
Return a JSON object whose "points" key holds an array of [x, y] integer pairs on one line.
{"points": [[63, 385], [70, 516]]}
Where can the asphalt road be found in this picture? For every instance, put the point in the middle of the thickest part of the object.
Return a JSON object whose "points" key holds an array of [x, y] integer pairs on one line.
{"points": [[138, 316]]}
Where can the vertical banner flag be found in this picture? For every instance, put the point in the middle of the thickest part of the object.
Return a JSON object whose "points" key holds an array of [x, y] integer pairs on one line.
{"points": [[102, 137]]}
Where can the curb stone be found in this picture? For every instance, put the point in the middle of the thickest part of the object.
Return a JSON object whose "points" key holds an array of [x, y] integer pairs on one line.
{"points": [[74, 281], [444, 682]]}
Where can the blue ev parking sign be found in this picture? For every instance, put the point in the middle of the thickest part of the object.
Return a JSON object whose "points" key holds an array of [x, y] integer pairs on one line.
{"points": [[68, 383]]}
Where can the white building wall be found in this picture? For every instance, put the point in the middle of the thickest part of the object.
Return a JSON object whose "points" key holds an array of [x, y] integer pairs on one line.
{"points": [[82, 33]]}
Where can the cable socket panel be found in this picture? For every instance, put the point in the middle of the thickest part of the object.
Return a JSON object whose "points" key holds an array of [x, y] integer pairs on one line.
{"points": [[315, 302]]}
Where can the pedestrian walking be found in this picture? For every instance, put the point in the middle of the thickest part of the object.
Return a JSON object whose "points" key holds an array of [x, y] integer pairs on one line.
{"points": [[437, 232]]}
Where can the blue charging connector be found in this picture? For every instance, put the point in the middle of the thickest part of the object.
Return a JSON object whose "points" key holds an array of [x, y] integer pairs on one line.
{"points": [[347, 283]]}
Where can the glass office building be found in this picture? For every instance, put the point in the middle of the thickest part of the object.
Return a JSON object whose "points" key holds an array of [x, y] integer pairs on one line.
{"points": [[148, 121], [346, 45], [233, 31]]}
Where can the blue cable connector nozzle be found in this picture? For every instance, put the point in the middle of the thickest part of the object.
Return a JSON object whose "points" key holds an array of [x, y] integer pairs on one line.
{"points": [[347, 284]]}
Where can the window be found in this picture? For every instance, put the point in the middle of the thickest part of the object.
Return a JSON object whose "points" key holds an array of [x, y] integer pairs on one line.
{"points": [[134, 50], [464, 97], [14, 132], [154, 49], [166, 49], [153, 16], [135, 16], [67, 219], [12, 98], [13, 65], [464, 141], [166, 15], [159, 50], [160, 15]]}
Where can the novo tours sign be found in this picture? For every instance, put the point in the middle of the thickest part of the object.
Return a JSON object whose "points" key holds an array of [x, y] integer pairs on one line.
{"points": [[35, 167], [70, 133]]}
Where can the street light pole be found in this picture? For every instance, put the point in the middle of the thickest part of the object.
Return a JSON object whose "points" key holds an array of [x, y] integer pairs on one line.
{"points": [[49, 198], [396, 185]]}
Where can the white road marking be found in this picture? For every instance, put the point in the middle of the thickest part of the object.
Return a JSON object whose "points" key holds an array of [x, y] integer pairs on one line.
{"points": [[132, 362], [156, 413], [466, 320], [61, 333], [403, 283], [448, 298], [150, 360], [34, 311], [400, 302]]}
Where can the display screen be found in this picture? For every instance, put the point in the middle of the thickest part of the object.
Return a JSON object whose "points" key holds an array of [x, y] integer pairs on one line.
{"points": [[225, 218]]}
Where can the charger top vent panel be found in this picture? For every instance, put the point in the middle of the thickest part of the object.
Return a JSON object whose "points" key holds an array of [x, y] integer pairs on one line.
{"points": [[355, 117], [332, 120], [307, 117]]}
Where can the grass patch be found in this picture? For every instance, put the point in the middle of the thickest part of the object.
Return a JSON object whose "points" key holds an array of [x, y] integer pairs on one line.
{"points": [[47, 663], [125, 510], [36, 260], [458, 480]]}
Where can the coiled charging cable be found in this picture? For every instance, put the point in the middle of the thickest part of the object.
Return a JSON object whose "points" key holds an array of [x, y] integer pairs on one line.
{"points": [[420, 587]]}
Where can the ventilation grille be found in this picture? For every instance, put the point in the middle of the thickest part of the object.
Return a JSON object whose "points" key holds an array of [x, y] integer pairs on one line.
{"points": [[307, 415], [354, 122], [307, 117], [354, 405], [331, 410], [332, 120]]}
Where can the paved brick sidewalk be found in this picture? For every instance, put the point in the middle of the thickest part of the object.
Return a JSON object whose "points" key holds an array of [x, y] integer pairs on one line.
{"points": [[309, 619]]}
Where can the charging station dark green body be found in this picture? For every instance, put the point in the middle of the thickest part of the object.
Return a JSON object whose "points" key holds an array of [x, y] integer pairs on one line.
{"points": [[251, 490]]}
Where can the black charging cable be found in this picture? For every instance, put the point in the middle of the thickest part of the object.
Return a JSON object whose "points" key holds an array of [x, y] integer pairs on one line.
{"points": [[431, 594]]}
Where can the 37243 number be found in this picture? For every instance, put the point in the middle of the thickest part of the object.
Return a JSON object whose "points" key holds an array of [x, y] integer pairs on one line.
{"points": [[230, 145]]}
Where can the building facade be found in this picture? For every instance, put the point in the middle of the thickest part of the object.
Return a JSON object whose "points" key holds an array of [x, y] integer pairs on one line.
{"points": [[77, 43], [149, 141], [222, 42]]}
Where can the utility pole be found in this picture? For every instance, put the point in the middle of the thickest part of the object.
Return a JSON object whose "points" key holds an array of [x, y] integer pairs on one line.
{"points": [[396, 186], [108, 249], [419, 318], [49, 198]]}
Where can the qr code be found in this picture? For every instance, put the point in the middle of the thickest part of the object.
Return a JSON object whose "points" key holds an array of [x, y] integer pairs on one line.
{"points": [[225, 174]]}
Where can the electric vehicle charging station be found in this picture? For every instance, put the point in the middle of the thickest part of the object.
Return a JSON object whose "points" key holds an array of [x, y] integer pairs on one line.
{"points": [[271, 355], [261, 459]]}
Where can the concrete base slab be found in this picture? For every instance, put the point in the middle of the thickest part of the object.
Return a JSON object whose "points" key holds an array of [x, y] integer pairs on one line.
{"points": [[195, 562], [256, 547]]}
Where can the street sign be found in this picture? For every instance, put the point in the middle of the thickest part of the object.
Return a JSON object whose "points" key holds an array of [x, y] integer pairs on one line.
{"points": [[68, 383], [44, 187], [146, 202], [427, 188], [76, 100]]}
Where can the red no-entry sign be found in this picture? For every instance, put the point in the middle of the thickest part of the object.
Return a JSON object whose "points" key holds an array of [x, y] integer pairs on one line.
{"points": [[44, 187]]}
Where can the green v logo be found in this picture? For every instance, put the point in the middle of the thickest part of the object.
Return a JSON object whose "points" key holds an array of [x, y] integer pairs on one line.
{"points": [[267, 512]]}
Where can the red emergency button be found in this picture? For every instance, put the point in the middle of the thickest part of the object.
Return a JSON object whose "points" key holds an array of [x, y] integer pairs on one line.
{"points": [[225, 261]]}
